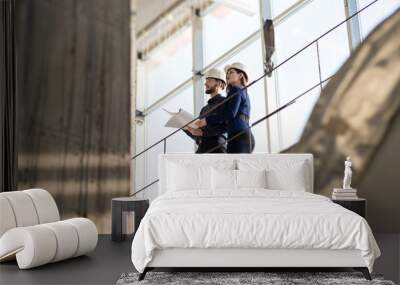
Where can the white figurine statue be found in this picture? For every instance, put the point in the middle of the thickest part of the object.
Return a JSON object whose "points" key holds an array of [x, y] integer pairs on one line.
{"points": [[347, 174]]}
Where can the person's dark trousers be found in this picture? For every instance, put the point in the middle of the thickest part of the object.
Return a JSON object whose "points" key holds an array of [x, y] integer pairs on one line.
{"points": [[242, 144], [210, 143]]}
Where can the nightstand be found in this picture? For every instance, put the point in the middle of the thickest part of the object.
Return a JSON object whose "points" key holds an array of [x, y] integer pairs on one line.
{"points": [[358, 206], [119, 207]]}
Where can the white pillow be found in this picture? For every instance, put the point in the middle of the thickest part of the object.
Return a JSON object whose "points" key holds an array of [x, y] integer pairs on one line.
{"points": [[223, 179], [226, 179], [282, 174], [183, 177], [293, 179], [251, 178]]}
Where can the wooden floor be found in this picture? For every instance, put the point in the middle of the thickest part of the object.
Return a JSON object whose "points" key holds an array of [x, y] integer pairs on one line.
{"points": [[103, 266], [111, 259]]}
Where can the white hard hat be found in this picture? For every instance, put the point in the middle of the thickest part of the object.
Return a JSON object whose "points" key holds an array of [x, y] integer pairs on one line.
{"points": [[239, 66], [216, 74]]}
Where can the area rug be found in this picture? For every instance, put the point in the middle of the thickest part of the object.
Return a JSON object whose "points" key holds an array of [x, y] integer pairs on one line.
{"points": [[243, 278]]}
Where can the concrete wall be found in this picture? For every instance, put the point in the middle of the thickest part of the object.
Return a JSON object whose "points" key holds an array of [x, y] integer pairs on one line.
{"points": [[381, 186], [380, 183], [388, 263], [74, 103]]}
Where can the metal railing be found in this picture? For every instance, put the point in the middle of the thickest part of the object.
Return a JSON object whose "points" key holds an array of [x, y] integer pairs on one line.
{"points": [[319, 84]]}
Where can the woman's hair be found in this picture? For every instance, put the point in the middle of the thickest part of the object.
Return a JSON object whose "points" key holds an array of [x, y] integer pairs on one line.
{"points": [[244, 79]]}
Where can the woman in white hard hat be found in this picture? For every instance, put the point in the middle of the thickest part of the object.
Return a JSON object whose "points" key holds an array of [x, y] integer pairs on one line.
{"points": [[236, 111], [211, 138]]}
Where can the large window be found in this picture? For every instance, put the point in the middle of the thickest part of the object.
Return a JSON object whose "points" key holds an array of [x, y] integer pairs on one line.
{"points": [[152, 131], [334, 49], [299, 29], [227, 25], [165, 68], [279, 6], [303, 71], [376, 13], [156, 120], [160, 72]]}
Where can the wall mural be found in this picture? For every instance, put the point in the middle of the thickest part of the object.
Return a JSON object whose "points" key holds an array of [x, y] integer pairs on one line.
{"points": [[74, 103]]}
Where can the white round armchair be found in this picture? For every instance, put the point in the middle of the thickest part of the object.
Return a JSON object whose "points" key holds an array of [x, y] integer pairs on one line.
{"points": [[31, 230]]}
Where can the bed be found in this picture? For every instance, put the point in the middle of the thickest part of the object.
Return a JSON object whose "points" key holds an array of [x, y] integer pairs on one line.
{"points": [[247, 210]]}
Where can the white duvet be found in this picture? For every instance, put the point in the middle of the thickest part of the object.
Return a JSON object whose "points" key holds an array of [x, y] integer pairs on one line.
{"points": [[252, 218]]}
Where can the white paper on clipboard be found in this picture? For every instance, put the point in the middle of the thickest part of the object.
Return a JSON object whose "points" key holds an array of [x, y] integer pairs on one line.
{"points": [[179, 119]]}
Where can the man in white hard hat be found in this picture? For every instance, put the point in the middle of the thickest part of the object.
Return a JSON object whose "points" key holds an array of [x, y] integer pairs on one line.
{"points": [[209, 137]]}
